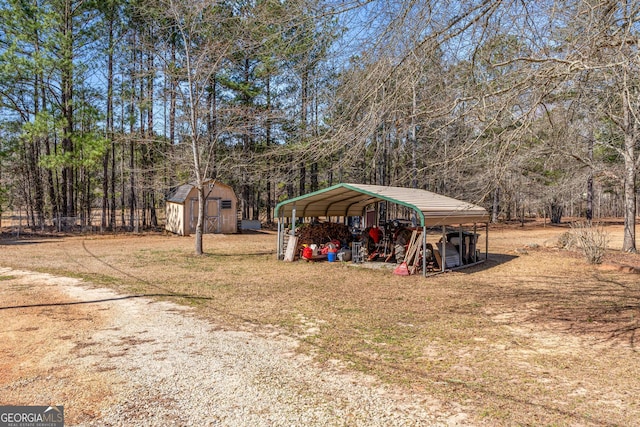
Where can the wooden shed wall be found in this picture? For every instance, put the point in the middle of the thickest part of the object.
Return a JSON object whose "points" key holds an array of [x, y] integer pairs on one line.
{"points": [[175, 218], [220, 212]]}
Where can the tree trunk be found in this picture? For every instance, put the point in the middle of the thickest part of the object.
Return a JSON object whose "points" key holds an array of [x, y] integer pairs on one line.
{"points": [[149, 143], [106, 156], [68, 175], [51, 184], [35, 153], [105, 190], [629, 239], [132, 188], [112, 217], [314, 177], [212, 126], [589, 212], [630, 128], [268, 140], [495, 210], [414, 140], [87, 198], [555, 212], [200, 223], [132, 109], [629, 242], [173, 100], [256, 207], [304, 98], [269, 202], [154, 216]]}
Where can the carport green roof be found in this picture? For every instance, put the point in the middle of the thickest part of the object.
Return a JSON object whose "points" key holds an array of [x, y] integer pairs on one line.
{"points": [[350, 200]]}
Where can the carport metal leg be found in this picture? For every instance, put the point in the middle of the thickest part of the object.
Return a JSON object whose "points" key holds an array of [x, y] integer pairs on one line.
{"points": [[486, 244], [280, 238], [444, 247], [424, 251]]}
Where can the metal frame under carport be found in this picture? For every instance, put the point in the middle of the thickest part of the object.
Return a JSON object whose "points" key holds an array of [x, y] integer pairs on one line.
{"points": [[344, 200]]}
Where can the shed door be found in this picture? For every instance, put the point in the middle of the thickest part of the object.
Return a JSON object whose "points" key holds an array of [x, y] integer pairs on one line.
{"points": [[211, 216]]}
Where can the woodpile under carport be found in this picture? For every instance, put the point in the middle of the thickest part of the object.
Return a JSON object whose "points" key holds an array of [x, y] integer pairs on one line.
{"points": [[321, 233]]}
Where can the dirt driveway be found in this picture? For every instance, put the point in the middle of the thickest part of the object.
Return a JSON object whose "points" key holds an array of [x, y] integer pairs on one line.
{"points": [[114, 359]]}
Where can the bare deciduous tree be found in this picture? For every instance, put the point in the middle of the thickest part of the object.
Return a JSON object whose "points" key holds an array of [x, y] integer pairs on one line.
{"points": [[200, 35]]}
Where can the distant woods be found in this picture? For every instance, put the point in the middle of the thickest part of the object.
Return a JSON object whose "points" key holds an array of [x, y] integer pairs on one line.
{"points": [[527, 108]]}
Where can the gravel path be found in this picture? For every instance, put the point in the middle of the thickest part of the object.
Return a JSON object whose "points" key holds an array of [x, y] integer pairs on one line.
{"points": [[167, 367]]}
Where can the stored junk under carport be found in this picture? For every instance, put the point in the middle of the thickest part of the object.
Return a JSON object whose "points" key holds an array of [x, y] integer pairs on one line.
{"points": [[457, 247]]}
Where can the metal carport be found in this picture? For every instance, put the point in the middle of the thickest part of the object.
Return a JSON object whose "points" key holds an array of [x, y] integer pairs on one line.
{"points": [[351, 200]]}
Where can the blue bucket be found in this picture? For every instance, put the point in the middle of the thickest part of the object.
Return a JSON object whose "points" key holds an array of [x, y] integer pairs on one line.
{"points": [[331, 256]]}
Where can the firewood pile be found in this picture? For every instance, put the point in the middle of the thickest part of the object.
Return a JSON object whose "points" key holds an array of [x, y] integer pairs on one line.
{"points": [[323, 233]]}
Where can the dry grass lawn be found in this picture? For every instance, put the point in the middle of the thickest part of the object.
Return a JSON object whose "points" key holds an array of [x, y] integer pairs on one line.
{"points": [[532, 337]]}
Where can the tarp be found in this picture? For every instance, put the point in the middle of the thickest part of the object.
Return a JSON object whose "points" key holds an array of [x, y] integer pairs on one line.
{"points": [[350, 200]]}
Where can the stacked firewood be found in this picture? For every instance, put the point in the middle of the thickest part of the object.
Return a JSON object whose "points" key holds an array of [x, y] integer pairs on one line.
{"points": [[322, 233]]}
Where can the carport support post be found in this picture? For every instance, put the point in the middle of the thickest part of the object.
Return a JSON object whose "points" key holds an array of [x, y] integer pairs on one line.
{"points": [[294, 219], [461, 245], [424, 250], [486, 244], [444, 247], [281, 228], [475, 242], [279, 248]]}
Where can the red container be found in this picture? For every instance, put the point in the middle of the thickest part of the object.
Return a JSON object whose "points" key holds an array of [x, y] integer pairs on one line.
{"points": [[307, 253]]}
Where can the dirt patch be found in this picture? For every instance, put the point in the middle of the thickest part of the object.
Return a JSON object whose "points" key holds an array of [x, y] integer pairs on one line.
{"points": [[41, 339], [623, 268]]}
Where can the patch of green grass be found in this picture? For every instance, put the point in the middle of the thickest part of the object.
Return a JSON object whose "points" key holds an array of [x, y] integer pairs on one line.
{"points": [[99, 279], [7, 277], [494, 413]]}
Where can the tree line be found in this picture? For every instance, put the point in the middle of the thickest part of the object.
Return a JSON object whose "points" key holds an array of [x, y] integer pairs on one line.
{"points": [[526, 108]]}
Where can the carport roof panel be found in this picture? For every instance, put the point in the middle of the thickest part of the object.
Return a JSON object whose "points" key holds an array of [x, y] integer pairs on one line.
{"points": [[351, 199]]}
